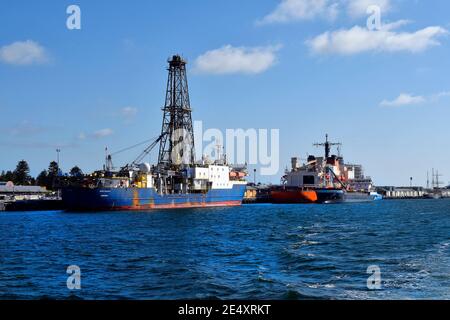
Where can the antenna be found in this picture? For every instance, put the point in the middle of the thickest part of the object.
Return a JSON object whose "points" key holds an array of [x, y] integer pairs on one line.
{"points": [[327, 144], [106, 159], [219, 146]]}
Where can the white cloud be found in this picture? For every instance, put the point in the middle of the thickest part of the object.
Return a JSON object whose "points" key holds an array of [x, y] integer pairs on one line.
{"points": [[358, 8], [23, 53], [27, 129], [24, 129], [440, 95], [358, 39], [129, 112], [297, 10], [102, 133], [403, 99], [230, 60], [294, 10]]}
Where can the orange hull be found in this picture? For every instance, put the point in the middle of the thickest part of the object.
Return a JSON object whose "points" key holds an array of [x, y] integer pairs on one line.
{"points": [[293, 196]]}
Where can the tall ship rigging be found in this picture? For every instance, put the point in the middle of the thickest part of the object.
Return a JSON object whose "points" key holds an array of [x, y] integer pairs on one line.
{"points": [[176, 181]]}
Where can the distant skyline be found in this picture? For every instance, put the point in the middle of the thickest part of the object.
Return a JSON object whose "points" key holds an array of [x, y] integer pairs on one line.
{"points": [[304, 67]]}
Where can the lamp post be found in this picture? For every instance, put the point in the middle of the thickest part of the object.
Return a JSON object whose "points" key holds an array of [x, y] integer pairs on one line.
{"points": [[57, 162], [254, 176], [57, 157]]}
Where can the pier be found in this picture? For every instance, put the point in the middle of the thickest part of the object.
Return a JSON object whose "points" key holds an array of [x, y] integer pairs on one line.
{"points": [[391, 192], [27, 198], [257, 194]]}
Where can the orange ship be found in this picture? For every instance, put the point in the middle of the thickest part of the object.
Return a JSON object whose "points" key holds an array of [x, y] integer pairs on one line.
{"points": [[294, 195], [317, 181], [322, 180]]}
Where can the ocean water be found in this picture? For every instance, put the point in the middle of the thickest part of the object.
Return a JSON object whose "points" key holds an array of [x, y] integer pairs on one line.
{"points": [[251, 252]]}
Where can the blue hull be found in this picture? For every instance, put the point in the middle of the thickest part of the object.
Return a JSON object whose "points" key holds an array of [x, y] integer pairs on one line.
{"points": [[87, 199]]}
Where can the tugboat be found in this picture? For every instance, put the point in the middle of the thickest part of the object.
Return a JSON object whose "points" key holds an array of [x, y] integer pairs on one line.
{"points": [[324, 180], [176, 181]]}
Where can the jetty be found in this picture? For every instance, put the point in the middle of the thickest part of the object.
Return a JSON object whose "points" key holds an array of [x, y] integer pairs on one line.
{"points": [[391, 192]]}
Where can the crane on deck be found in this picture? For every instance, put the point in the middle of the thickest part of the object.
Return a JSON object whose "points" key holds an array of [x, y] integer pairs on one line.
{"points": [[130, 166]]}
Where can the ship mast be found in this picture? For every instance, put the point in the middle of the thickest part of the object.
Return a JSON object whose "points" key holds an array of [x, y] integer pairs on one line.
{"points": [[328, 175], [177, 134], [327, 144]]}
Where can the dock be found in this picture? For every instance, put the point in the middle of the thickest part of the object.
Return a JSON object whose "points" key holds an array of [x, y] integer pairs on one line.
{"points": [[391, 192], [257, 194], [32, 205], [27, 198]]}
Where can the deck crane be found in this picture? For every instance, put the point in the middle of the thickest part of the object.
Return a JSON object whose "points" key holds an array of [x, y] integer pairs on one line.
{"points": [[143, 154], [130, 166]]}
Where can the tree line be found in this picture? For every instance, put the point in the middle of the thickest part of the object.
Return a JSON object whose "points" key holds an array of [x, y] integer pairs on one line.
{"points": [[47, 178]]}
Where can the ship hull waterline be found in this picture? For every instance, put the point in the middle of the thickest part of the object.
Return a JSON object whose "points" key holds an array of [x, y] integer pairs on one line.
{"points": [[135, 199], [302, 196], [296, 196]]}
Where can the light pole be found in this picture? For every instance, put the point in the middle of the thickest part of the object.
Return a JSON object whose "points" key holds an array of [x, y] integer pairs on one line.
{"points": [[57, 162], [411, 182], [254, 177], [57, 158]]}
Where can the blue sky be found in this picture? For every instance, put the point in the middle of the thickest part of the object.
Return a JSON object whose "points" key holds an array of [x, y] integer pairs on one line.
{"points": [[304, 67]]}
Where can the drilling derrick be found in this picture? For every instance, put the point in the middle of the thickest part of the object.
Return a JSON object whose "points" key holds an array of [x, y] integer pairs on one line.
{"points": [[177, 134]]}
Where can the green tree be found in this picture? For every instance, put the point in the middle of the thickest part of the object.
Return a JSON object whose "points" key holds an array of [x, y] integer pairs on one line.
{"points": [[52, 175], [53, 169], [42, 179], [21, 176], [8, 176], [76, 172]]}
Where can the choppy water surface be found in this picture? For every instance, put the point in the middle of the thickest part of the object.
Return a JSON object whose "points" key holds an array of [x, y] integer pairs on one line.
{"points": [[251, 252]]}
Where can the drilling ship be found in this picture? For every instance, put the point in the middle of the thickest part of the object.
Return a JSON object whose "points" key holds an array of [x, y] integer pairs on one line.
{"points": [[324, 180], [176, 181]]}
